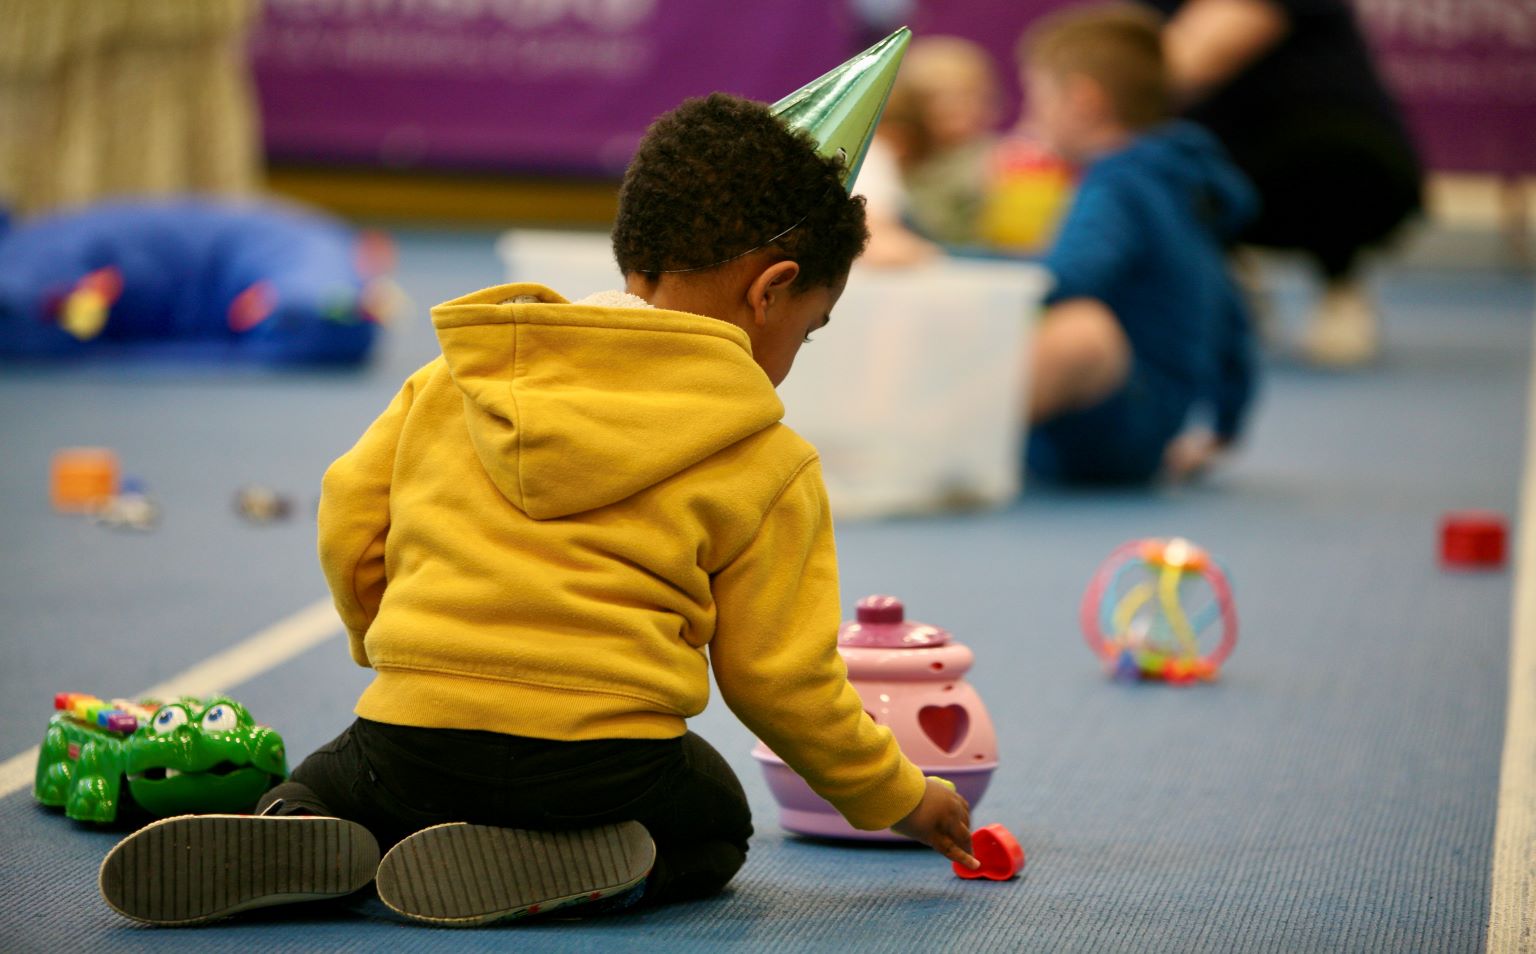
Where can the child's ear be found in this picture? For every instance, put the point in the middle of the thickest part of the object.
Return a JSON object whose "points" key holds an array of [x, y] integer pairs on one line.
{"points": [[1089, 97], [769, 288]]}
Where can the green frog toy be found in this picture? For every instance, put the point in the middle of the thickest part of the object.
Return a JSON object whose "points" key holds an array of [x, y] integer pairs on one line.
{"points": [[180, 757]]}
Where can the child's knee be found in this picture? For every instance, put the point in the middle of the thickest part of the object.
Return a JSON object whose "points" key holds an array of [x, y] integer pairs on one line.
{"points": [[688, 873], [1089, 332], [291, 798], [1081, 344]]}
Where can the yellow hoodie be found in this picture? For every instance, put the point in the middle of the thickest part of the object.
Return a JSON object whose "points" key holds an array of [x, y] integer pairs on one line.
{"points": [[556, 526]]}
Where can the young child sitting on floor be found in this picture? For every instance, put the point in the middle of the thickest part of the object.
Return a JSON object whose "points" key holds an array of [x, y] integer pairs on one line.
{"points": [[1144, 324], [542, 547]]}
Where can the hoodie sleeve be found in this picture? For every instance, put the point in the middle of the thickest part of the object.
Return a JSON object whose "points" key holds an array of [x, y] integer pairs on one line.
{"points": [[1235, 369], [354, 518], [1094, 250], [775, 659]]}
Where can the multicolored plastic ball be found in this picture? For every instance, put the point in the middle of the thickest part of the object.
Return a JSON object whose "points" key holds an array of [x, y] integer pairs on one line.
{"points": [[1160, 610]]}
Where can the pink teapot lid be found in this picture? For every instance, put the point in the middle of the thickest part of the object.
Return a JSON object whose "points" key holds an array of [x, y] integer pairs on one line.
{"points": [[881, 624]]}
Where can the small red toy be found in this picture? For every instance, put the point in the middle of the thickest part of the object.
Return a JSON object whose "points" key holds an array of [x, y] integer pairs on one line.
{"points": [[1000, 854], [1472, 539]]}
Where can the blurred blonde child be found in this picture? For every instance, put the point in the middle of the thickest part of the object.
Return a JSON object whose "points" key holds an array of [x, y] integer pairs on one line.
{"points": [[939, 173], [1144, 327], [955, 102]]}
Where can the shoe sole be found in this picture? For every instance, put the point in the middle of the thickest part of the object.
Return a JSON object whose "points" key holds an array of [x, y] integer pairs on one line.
{"points": [[197, 868], [464, 875]]}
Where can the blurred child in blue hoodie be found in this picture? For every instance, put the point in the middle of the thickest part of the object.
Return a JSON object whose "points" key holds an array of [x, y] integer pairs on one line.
{"points": [[1144, 328]]}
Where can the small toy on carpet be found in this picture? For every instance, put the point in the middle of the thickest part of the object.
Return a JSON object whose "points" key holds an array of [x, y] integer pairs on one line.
{"points": [[179, 757], [258, 504], [911, 678], [82, 479], [1000, 854], [1138, 619], [1472, 540], [131, 508]]}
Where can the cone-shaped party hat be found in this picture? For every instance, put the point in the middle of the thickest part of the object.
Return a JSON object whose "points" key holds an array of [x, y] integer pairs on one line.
{"points": [[840, 108]]}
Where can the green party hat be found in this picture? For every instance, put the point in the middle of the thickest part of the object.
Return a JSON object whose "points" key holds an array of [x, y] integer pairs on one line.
{"points": [[840, 108]]}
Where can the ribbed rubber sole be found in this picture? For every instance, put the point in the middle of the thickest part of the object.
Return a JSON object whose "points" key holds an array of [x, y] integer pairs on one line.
{"points": [[463, 875], [196, 868]]}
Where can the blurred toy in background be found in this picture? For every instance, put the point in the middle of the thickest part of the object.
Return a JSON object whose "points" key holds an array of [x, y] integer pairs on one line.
{"points": [[1472, 539], [185, 756], [1160, 610], [131, 508], [911, 678], [85, 480], [1028, 190], [258, 504], [193, 280], [82, 479]]}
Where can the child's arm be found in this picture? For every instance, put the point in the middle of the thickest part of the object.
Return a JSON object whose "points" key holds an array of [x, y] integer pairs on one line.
{"points": [[1230, 395], [1080, 353], [354, 518], [775, 658], [1234, 370], [1095, 248]]}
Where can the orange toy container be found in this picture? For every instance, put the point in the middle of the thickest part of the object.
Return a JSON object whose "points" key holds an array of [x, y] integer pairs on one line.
{"points": [[83, 478]]}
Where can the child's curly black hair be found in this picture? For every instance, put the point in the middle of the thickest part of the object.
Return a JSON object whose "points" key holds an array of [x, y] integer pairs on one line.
{"points": [[720, 176]]}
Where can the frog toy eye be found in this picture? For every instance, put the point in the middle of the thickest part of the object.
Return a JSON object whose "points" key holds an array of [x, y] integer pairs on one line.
{"points": [[168, 719], [220, 718]]}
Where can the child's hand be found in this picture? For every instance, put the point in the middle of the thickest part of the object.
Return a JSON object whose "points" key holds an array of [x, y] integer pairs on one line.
{"points": [[1192, 454], [942, 821]]}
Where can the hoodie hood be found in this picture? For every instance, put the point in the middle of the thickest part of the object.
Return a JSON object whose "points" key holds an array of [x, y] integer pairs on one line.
{"points": [[1190, 158], [572, 407]]}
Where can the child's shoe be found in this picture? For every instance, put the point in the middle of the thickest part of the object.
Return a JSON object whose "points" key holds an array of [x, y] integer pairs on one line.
{"points": [[197, 868], [464, 875]]}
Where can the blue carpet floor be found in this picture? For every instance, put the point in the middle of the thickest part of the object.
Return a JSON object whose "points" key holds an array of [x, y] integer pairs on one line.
{"points": [[1334, 791]]}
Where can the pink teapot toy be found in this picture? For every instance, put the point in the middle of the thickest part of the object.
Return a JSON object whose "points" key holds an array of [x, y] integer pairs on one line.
{"points": [[911, 677]]}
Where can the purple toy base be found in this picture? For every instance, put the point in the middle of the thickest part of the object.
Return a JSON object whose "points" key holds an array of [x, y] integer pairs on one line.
{"points": [[804, 812]]}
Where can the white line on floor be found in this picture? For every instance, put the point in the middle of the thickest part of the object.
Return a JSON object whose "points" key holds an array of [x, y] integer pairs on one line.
{"points": [[265, 650], [1512, 904]]}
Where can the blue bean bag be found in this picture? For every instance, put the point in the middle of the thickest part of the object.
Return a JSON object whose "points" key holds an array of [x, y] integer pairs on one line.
{"points": [[191, 280]]}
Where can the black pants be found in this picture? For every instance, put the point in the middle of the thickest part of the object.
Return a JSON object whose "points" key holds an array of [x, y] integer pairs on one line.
{"points": [[395, 780], [1331, 185]]}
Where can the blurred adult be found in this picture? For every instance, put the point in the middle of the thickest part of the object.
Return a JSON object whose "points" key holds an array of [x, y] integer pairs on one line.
{"points": [[1289, 88]]}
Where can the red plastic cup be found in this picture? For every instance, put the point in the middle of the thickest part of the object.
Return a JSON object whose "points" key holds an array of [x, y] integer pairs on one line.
{"points": [[1471, 539], [1000, 854]]}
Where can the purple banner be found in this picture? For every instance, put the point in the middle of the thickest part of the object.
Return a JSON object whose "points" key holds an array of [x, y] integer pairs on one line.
{"points": [[570, 85], [528, 85], [1465, 73], [997, 25]]}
